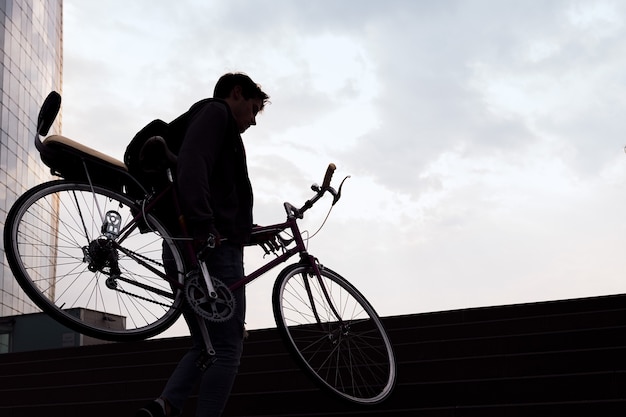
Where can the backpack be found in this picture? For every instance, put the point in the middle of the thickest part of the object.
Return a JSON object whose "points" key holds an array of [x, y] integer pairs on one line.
{"points": [[148, 157], [147, 160]]}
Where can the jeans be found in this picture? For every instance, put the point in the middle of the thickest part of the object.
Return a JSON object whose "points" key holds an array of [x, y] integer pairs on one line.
{"points": [[225, 262]]}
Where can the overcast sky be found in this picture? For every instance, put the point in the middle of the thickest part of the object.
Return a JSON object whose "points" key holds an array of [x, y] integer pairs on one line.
{"points": [[484, 138]]}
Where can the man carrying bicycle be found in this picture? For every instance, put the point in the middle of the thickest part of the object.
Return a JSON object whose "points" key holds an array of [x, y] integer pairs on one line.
{"points": [[216, 200]]}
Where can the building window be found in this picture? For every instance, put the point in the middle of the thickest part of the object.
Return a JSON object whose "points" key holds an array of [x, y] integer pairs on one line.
{"points": [[5, 342]]}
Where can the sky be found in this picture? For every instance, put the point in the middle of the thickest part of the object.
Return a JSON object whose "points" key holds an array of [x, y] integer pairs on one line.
{"points": [[484, 139]]}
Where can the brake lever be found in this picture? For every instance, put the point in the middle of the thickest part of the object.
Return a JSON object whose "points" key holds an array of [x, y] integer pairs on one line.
{"points": [[337, 195]]}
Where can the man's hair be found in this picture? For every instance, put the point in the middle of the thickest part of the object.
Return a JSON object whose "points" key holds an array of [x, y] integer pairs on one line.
{"points": [[249, 89]]}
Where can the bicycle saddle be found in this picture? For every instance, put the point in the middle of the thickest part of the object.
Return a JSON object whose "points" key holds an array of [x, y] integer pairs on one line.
{"points": [[62, 143], [73, 161]]}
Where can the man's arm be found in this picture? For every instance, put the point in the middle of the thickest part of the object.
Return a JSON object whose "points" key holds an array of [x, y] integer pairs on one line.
{"points": [[196, 160]]}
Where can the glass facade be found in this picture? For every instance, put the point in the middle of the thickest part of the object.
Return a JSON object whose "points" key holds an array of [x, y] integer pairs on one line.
{"points": [[31, 65]]}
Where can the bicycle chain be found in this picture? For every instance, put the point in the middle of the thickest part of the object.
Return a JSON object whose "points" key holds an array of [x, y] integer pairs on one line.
{"points": [[143, 258], [147, 260], [142, 297], [218, 310]]}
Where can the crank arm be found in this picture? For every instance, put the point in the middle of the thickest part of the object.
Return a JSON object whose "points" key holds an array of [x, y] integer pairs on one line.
{"points": [[212, 294], [207, 358]]}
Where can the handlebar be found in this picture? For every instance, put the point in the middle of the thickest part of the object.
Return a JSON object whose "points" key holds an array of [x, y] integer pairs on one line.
{"points": [[329, 174], [293, 211]]}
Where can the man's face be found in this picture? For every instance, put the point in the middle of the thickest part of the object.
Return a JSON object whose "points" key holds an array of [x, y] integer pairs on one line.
{"points": [[246, 112]]}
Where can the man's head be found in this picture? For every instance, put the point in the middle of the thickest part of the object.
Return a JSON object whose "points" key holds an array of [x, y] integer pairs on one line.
{"points": [[244, 97]]}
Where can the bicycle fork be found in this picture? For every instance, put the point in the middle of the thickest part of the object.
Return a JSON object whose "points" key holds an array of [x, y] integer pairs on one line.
{"points": [[343, 328]]}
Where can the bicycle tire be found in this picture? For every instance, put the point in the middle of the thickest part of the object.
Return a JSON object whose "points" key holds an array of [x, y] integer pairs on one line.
{"points": [[94, 283], [350, 355]]}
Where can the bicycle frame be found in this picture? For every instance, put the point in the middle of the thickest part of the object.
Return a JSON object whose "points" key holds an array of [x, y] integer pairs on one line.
{"points": [[300, 248], [290, 224]]}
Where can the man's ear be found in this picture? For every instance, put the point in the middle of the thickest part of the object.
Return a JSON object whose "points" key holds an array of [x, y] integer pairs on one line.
{"points": [[236, 92]]}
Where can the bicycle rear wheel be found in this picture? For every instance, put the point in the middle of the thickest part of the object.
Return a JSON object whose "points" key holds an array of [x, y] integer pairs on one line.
{"points": [[334, 333], [79, 255]]}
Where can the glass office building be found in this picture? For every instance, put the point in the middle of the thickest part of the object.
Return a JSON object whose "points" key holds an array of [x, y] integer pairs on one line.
{"points": [[31, 64]]}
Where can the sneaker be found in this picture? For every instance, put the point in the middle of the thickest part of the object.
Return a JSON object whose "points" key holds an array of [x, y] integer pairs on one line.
{"points": [[152, 409]]}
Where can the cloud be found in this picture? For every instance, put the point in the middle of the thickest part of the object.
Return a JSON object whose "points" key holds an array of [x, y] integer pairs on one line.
{"points": [[453, 81], [484, 138]]}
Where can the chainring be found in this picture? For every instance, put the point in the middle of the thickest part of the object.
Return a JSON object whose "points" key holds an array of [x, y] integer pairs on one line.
{"points": [[220, 309]]}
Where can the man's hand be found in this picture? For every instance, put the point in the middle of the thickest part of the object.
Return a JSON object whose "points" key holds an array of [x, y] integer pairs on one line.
{"points": [[203, 246], [267, 239]]}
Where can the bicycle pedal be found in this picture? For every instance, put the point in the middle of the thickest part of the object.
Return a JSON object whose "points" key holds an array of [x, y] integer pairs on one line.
{"points": [[205, 361]]}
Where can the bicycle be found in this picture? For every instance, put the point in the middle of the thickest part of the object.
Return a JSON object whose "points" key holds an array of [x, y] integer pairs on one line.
{"points": [[88, 252]]}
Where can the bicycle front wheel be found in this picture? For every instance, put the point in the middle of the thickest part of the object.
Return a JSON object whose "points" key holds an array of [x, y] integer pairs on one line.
{"points": [[334, 333], [79, 254]]}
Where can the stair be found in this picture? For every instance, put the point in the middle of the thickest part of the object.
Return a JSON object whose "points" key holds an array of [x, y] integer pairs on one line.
{"points": [[559, 358]]}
